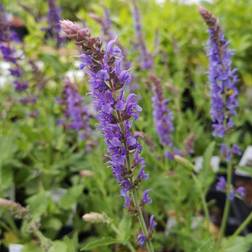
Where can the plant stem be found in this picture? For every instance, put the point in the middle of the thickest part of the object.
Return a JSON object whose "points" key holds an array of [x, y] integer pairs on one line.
{"points": [[133, 193], [142, 221], [243, 225], [202, 196], [227, 202]]}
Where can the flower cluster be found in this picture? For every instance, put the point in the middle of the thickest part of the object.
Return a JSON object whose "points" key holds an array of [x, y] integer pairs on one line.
{"points": [[222, 77], [162, 115], [115, 110], [76, 114], [228, 152], [222, 186], [9, 54], [146, 58], [54, 21]]}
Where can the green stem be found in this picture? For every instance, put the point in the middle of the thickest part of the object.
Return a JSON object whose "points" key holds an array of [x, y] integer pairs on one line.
{"points": [[142, 222], [242, 226], [133, 193], [202, 196], [227, 202]]}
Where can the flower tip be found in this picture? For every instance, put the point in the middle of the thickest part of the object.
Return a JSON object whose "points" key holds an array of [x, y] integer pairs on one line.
{"points": [[201, 9]]}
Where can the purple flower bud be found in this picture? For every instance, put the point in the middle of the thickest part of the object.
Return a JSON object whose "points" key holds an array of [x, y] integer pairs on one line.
{"points": [[226, 152], [221, 184], [152, 224], [142, 175], [20, 86], [141, 239], [169, 155], [146, 199], [236, 150], [15, 72], [241, 191]]}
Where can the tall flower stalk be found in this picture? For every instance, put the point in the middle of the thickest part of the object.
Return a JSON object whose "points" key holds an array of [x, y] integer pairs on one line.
{"points": [[223, 82], [54, 21], [115, 112], [146, 59], [9, 54], [162, 115], [222, 77], [76, 113]]}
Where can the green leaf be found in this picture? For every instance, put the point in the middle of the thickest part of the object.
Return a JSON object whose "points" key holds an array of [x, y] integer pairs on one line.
{"points": [[99, 242], [71, 197], [185, 162], [58, 246], [208, 155], [241, 244], [124, 229], [39, 203]]}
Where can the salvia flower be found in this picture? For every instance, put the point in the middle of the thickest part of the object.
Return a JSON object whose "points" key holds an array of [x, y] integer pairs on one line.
{"points": [[222, 186], [9, 54], [152, 224], [162, 115], [241, 191], [227, 152], [146, 58], [115, 109], [54, 20], [76, 113], [141, 239], [146, 199], [223, 78]]}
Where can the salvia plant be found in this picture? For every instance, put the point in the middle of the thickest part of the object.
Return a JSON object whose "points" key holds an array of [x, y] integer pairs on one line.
{"points": [[115, 110], [107, 146]]}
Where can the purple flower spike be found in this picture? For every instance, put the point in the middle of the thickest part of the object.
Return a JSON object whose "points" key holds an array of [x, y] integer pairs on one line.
{"points": [[146, 58], [115, 110], [54, 21], [141, 239], [221, 184], [76, 114], [9, 53], [223, 78], [162, 115]]}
